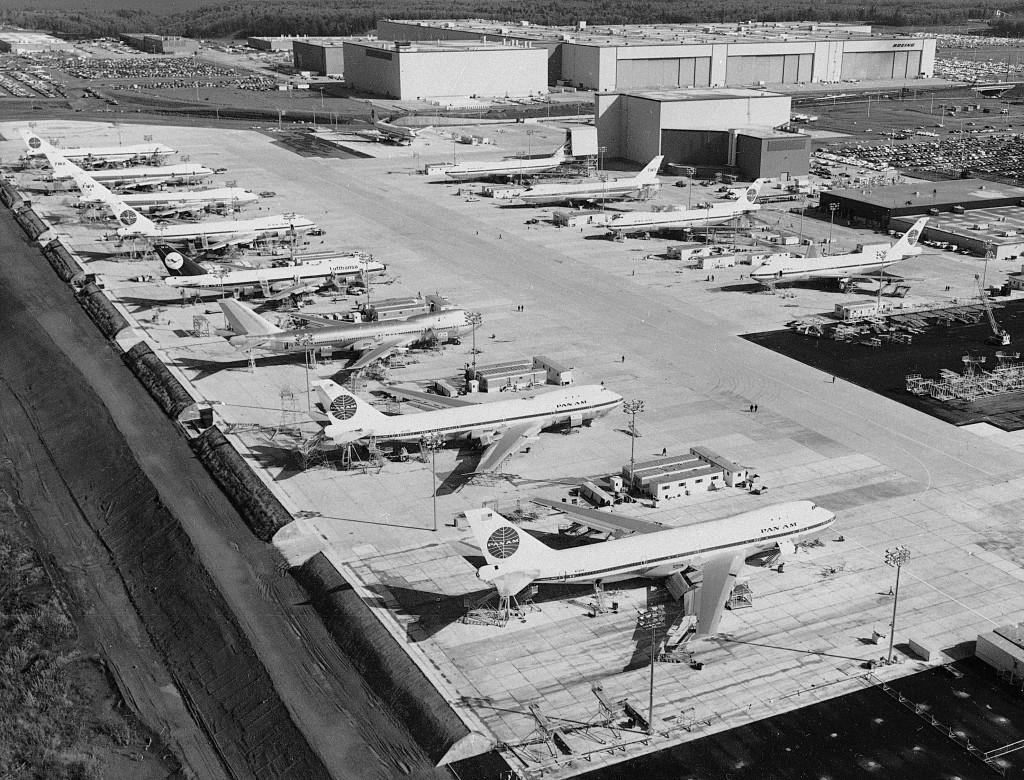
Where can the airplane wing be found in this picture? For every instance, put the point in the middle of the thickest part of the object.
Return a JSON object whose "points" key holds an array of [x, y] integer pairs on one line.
{"points": [[298, 289], [379, 351], [428, 398], [510, 442], [719, 577], [145, 184], [617, 525], [312, 319]]}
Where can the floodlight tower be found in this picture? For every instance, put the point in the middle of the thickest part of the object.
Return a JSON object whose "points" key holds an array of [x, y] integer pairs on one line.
{"points": [[897, 556], [632, 408], [431, 443], [652, 619]]}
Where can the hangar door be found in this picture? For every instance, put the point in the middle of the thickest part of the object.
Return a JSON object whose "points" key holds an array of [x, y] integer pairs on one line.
{"points": [[775, 69], [881, 65], [687, 72], [695, 147]]}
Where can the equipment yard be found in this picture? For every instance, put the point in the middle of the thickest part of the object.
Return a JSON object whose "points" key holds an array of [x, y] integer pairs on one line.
{"points": [[647, 328]]}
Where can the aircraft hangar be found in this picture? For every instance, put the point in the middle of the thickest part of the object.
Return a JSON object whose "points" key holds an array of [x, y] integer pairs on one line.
{"points": [[623, 57], [687, 127]]}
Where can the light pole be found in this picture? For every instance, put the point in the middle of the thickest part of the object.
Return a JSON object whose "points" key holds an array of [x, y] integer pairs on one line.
{"points": [[600, 158], [432, 442], [632, 408], [897, 556], [832, 208], [321, 96], [529, 143], [475, 319], [652, 619]]}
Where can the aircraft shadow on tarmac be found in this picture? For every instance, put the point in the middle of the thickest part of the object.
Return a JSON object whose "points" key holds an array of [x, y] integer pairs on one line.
{"points": [[207, 368], [280, 456]]}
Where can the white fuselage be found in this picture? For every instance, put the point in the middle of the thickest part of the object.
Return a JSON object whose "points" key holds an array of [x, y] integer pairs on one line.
{"points": [[149, 174], [181, 201], [229, 230], [588, 190], [442, 326], [514, 167], [112, 153], [311, 270], [651, 221], [477, 420], [780, 269], [662, 553]]}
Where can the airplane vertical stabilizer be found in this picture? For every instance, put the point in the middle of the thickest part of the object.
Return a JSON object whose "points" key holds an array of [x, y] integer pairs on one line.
{"points": [[504, 544], [649, 174], [749, 197], [176, 263], [348, 414], [907, 242], [131, 220], [244, 321], [35, 144]]}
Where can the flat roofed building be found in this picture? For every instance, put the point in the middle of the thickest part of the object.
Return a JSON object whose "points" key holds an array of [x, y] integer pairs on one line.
{"points": [[323, 56], [673, 476], [619, 57], [880, 204], [160, 44], [728, 127], [274, 43], [25, 41], [997, 232], [412, 71]]}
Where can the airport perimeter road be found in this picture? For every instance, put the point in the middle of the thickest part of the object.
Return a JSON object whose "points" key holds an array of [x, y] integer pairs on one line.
{"points": [[326, 698]]}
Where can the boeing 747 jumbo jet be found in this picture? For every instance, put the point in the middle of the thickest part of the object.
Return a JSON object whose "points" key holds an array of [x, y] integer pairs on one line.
{"points": [[99, 156], [868, 263], [374, 340], [716, 548], [507, 168], [159, 203], [138, 176], [274, 282], [210, 235], [387, 131], [717, 214], [644, 183], [502, 426]]}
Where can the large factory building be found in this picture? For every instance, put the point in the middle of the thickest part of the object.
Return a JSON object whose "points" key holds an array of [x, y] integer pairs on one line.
{"points": [[878, 205], [25, 41], [407, 71], [686, 125], [626, 57], [323, 56]]}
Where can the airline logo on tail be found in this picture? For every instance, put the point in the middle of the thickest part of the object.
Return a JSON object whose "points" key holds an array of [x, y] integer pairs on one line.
{"points": [[503, 542], [343, 407], [907, 241], [174, 260], [34, 142], [128, 217]]}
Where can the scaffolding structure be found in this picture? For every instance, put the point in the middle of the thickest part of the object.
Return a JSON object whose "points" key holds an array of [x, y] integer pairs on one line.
{"points": [[974, 382]]}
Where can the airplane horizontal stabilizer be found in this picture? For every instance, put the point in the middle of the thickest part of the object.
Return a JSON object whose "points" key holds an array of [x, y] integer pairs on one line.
{"points": [[719, 577], [618, 525], [514, 437], [381, 350]]}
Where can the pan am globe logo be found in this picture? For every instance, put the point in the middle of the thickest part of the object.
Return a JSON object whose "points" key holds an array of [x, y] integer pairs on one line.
{"points": [[503, 542], [912, 236], [343, 407], [174, 260], [127, 217], [34, 143], [751, 194]]}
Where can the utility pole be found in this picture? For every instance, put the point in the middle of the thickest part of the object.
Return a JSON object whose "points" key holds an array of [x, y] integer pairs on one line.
{"points": [[431, 443], [832, 209], [897, 556], [632, 408], [652, 619], [475, 319]]}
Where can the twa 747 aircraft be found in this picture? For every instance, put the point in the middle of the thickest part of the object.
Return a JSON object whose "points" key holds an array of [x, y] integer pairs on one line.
{"points": [[646, 181], [715, 548], [717, 214], [98, 156], [275, 282], [867, 264], [374, 340], [502, 426], [208, 235]]}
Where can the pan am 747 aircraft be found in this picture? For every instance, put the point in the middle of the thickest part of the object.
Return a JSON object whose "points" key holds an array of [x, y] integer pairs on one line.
{"points": [[717, 214], [159, 203], [374, 340], [507, 168], [138, 176], [98, 156], [209, 235], [716, 548], [867, 264], [502, 426]]}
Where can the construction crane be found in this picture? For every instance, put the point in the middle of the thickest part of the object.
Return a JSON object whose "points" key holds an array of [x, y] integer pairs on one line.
{"points": [[999, 336]]}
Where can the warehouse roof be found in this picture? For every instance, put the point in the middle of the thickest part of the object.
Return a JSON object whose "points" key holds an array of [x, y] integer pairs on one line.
{"points": [[441, 46], [692, 94], [926, 194]]}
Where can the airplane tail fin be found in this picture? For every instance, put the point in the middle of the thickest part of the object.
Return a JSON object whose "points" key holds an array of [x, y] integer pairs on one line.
{"points": [[649, 174], [130, 220], [503, 543], [62, 167], [35, 144], [244, 321], [350, 418], [176, 263], [905, 246], [749, 197]]}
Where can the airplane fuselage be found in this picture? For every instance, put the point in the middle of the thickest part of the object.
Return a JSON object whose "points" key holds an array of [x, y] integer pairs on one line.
{"points": [[311, 270], [799, 269], [227, 231], [592, 191], [477, 420], [662, 553], [149, 174], [182, 201], [503, 168], [359, 336], [112, 154]]}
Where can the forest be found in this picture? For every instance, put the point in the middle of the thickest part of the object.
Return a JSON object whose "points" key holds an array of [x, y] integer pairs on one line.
{"points": [[355, 17]]}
